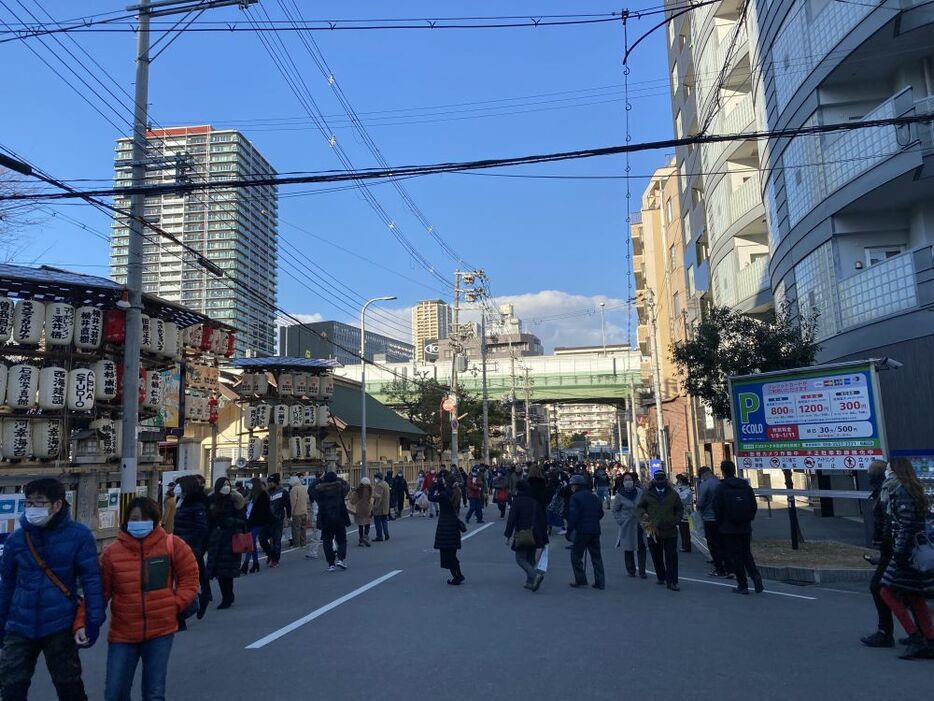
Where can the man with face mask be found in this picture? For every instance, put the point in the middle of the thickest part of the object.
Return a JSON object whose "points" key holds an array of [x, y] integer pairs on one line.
{"points": [[35, 614], [660, 511]]}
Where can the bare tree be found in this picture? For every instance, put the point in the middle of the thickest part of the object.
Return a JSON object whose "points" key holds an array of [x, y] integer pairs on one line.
{"points": [[16, 216]]}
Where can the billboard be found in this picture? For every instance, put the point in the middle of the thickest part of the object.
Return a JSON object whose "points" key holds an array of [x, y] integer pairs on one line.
{"points": [[431, 350], [820, 418]]}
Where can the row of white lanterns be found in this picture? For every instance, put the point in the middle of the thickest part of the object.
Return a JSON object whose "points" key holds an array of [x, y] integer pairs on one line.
{"points": [[25, 438], [287, 415], [53, 388], [297, 448], [299, 384]]}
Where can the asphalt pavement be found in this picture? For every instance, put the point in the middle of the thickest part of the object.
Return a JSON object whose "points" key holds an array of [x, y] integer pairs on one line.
{"points": [[391, 628]]}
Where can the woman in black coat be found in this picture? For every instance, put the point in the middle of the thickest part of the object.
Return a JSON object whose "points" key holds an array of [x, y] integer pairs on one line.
{"points": [[527, 514], [192, 524], [259, 519], [227, 518], [448, 530]]}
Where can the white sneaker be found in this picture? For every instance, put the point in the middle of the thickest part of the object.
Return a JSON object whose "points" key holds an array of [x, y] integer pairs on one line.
{"points": [[340, 563], [332, 568], [312, 554]]}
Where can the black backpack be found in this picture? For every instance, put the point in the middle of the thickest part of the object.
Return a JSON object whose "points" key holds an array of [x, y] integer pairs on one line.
{"points": [[739, 503]]}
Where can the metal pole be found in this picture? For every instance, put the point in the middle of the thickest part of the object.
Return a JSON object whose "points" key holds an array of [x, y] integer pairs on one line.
{"points": [[134, 270], [455, 345], [512, 406], [486, 399], [603, 325], [363, 470], [695, 442], [528, 417], [657, 383], [636, 451], [619, 436]]}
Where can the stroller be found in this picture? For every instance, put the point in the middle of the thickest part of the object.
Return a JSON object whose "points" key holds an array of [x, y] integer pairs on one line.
{"points": [[419, 503]]}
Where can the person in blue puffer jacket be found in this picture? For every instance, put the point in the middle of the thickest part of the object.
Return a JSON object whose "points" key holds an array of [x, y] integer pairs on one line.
{"points": [[35, 615]]}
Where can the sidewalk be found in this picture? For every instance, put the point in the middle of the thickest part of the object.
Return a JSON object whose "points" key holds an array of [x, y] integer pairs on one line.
{"points": [[813, 527]]}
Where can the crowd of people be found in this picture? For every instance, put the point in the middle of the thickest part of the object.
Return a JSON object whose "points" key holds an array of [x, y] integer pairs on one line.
{"points": [[158, 573]]}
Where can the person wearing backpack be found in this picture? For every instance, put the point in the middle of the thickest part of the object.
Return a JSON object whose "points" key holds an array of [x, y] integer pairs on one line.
{"points": [[735, 507]]}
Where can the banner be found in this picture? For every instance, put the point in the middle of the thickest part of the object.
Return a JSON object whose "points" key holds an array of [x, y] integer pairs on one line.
{"points": [[821, 418]]}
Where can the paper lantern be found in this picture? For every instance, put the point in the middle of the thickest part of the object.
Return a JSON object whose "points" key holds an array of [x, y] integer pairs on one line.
{"points": [[205, 342], [28, 319], [17, 439], [80, 395], [295, 447], [218, 342], [105, 376], [157, 336], [231, 345], [246, 384], [309, 447], [109, 436], [53, 388], [6, 319], [260, 384], [153, 389], [114, 326], [300, 384], [266, 447], [280, 415], [169, 339], [21, 387], [285, 382], [59, 324], [46, 439], [296, 415], [145, 334], [89, 326], [254, 448], [309, 415], [263, 415], [4, 372], [324, 416], [326, 387], [314, 386], [212, 410]]}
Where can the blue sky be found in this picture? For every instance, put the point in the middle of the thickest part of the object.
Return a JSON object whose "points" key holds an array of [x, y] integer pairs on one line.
{"points": [[549, 245]]}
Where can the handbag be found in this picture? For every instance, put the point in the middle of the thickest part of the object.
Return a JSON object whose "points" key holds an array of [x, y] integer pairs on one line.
{"points": [[80, 619], [241, 543], [922, 554], [524, 539], [192, 608]]}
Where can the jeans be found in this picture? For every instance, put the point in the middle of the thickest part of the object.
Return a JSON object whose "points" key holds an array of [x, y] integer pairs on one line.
{"points": [[590, 544], [122, 659], [275, 540], [226, 586], [299, 536], [382, 527], [502, 508], [255, 532], [604, 494], [721, 563], [629, 556], [684, 528], [900, 604], [525, 558], [476, 507], [886, 624], [665, 558], [328, 536], [738, 545], [18, 664]]}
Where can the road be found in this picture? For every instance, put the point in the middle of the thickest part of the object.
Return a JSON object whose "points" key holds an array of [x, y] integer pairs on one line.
{"points": [[390, 628]]}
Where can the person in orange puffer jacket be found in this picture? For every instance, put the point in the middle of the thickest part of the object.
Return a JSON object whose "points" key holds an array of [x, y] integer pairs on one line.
{"points": [[149, 577]]}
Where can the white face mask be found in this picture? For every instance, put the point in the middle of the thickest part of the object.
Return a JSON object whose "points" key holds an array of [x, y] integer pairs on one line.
{"points": [[225, 489], [177, 491], [889, 474], [38, 515]]}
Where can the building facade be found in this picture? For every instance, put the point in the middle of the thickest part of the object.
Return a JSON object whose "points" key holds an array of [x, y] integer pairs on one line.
{"points": [[431, 319], [236, 230], [341, 342]]}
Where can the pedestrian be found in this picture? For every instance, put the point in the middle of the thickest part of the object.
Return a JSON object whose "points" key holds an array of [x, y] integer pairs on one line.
{"points": [[584, 515], [381, 497], [538, 486], [192, 524], [398, 493], [168, 507], [427, 484], [736, 507], [281, 507], [883, 483], [259, 519], [462, 483], [683, 487], [706, 493], [475, 496], [227, 518], [298, 501], [149, 577], [447, 496], [43, 562], [602, 483], [330, 494], [905, 586], [630, 536], [659, 512], [526, 533], [361, 501]]}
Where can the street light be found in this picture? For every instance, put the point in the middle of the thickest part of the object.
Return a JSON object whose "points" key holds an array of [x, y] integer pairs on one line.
{"points": [[363, 379], [603, 325]]}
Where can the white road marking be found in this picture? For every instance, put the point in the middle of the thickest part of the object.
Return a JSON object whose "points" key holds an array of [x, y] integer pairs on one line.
{"points": [[473, 533], [285, 630], [731, 586]]}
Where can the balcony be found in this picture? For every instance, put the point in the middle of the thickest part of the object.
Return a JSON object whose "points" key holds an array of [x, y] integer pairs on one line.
{"points": [[736, 120], [742, 42], [885, 288], [753, 279], [643, 335], [744, 198]]}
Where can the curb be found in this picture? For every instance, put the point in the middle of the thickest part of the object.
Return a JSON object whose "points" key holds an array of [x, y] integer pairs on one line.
{"points": [[813, 575]]}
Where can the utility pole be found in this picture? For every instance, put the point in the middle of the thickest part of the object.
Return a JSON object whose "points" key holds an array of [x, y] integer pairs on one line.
{"points": [[695, 443], [634, 446], [512, 407], [528, 416], [486, 398], [145, 10], [657, 380], [603, 325], [455, 347]]}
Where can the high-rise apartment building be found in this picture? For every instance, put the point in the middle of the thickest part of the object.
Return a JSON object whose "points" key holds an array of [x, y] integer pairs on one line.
{"points": [[234, 229], [431, 319], [340, 341]]}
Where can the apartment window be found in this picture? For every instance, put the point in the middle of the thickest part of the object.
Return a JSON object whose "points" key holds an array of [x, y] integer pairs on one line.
{"points": [[701, 249], [668, 211], [676, 306], [672, 261], [877, 254], [691, 286], [697, 196]]}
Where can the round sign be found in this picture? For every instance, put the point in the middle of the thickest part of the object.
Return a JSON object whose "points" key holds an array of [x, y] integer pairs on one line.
{"points": [[849, 461], [774, 462], [809, 462], [449, 404], [454, 424], [747, 462]]}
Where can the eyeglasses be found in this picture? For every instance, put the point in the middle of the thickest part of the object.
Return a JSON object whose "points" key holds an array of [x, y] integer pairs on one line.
{"points": [[41, 504]]}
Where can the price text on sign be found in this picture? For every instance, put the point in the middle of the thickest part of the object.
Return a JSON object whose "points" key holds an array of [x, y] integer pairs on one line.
{"points": [[812, 418]]}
